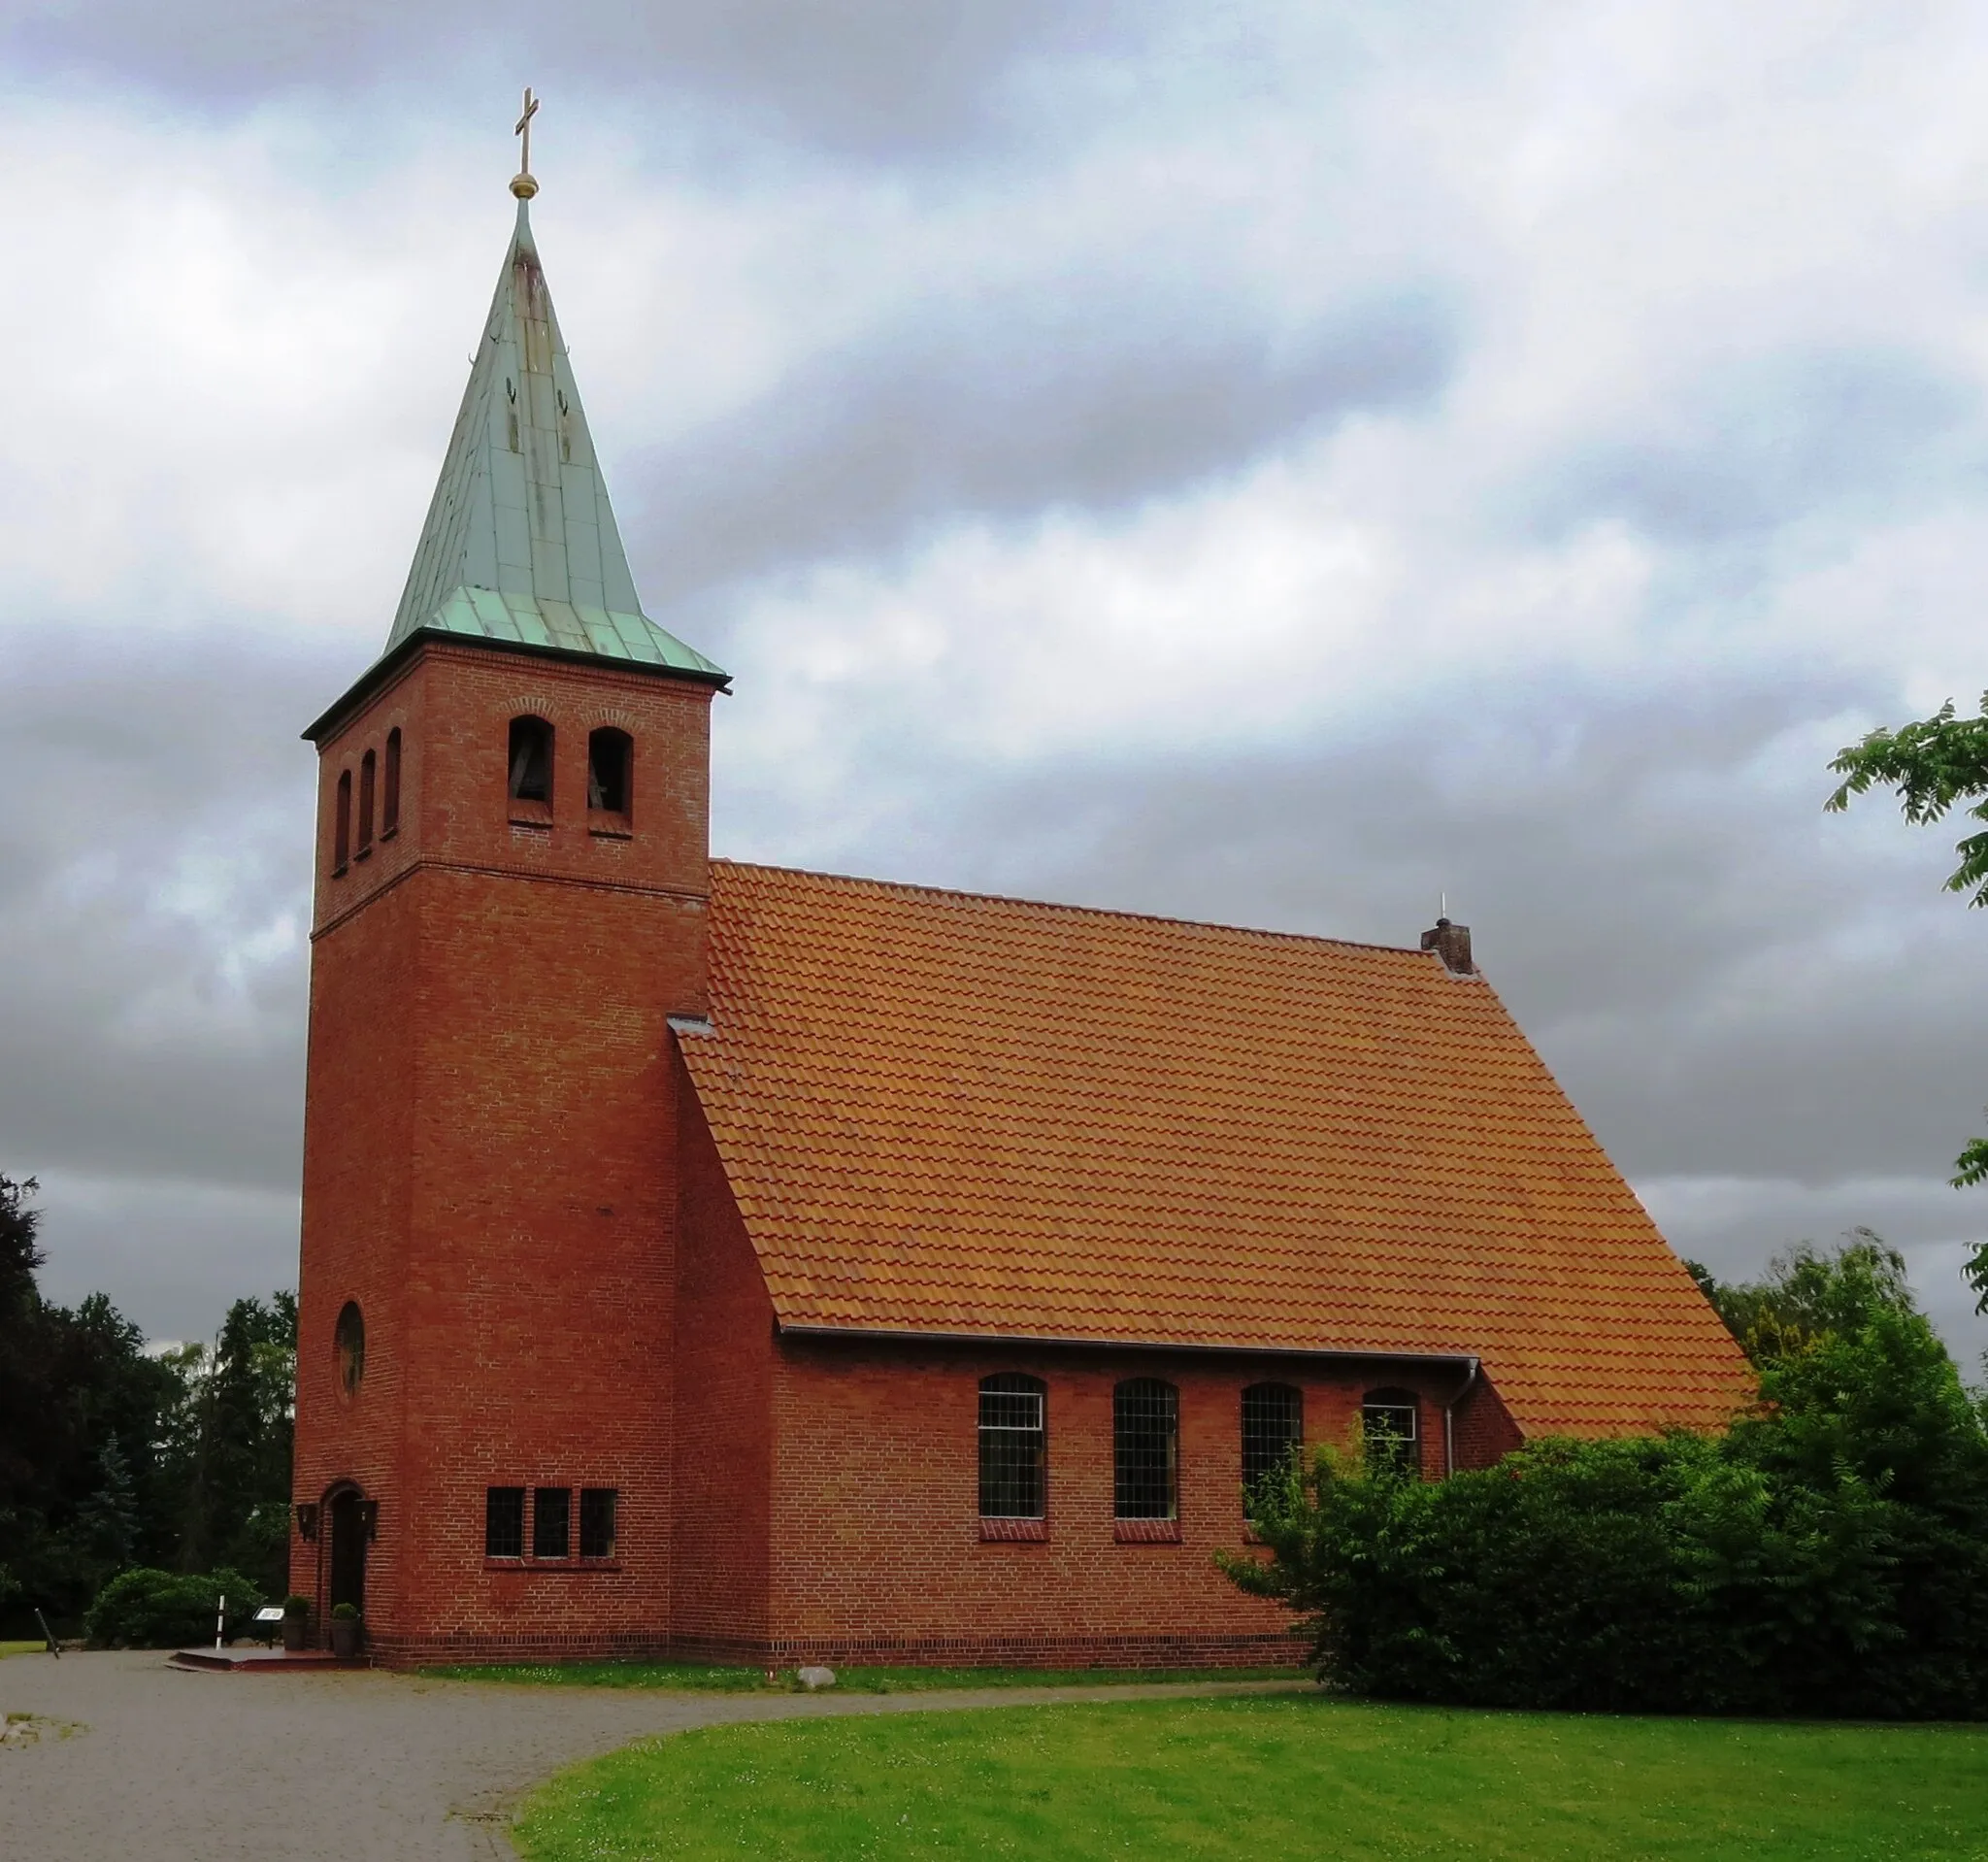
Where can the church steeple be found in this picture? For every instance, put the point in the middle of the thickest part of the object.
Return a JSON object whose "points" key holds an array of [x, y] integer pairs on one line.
{"points": [[520, 545]]}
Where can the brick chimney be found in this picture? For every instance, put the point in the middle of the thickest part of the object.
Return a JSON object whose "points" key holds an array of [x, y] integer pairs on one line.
{"points": [[1453, 944]]}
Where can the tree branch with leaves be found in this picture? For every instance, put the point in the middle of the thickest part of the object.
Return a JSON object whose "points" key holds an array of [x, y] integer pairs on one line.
{"points": [[1934, 765]]}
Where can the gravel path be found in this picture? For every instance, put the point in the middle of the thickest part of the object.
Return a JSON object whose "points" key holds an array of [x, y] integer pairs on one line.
{"points": [[356, 1767]]}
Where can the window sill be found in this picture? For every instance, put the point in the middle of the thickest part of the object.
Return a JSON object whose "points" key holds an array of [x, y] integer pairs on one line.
{"points": [[339, 871], [388, 833], [543, 1565], [525, 813], [1013, 1531], [1146, 1532], [365, 853], [610, 827]]}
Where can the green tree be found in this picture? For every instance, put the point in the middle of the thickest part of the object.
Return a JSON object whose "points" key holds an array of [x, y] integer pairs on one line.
{"points": [[1806, 1295], [1934, 765], [1828, 1554], [80, 1412], [112, 1455], [234, 1439], [20, 1378]]}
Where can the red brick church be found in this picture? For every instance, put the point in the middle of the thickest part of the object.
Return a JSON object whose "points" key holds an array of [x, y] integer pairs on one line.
{"points": [[713, 1259]]}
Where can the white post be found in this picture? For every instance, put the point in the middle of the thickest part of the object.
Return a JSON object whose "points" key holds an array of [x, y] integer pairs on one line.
{"points": [[221, 1615]]}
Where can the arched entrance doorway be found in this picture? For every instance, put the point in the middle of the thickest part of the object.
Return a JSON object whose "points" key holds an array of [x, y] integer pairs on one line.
{"points": [[347, 1513]]}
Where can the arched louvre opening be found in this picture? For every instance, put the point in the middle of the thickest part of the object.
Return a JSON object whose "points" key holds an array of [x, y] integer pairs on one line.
{"points": [[389, 798], [610, 771], [341, 823], [531, 760]]}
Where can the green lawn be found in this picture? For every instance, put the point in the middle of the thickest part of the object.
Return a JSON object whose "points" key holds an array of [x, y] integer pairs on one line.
{"points": [[35, 1647], [696, 1679], [1268, 1777]]}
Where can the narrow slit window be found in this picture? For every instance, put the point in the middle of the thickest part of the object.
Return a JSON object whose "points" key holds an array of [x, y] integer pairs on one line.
{"points": [[610, 765], [341, 823], [369, 771], [389, 795], [349, 1348], [503, 1523], [1390, 1421], [1146, 1449], [531, 760], [552, 1522], [597, 1522], [1013, 1464], [1272, 1429]]}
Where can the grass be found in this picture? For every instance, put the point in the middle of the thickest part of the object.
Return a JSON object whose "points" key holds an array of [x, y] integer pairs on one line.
{"points": [[686, 1678], [1213, 1778], [35, 1647]]}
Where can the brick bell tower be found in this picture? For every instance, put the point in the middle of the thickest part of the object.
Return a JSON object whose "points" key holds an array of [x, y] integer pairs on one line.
{"points": [[511, 897]]}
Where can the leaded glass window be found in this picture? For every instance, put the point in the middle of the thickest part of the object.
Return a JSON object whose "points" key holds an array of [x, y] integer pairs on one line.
{"points": [[1390, 1421], [1146, 1449], [552, 1522], [504, 1522], [1014, 1457], [597, 1522], [1272, 1425]]}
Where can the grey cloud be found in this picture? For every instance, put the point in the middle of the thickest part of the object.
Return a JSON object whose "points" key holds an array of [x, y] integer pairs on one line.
{"points": [[1066, 395], [882, 76], [170, 1254], [1748, 448], [152, 1003]]}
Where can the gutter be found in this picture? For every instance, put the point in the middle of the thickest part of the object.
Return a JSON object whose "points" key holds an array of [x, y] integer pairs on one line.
{"points": [[1065, 1341]]}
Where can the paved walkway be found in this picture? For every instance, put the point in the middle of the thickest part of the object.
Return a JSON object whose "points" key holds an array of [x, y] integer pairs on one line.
{"points": [[353, 1767]]}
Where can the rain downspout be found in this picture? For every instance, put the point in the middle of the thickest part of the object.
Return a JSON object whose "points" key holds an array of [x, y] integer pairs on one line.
{"points": [[1450, 1420]]}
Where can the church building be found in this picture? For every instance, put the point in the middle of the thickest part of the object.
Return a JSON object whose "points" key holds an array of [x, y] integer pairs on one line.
{"points": [[714, 1260]]}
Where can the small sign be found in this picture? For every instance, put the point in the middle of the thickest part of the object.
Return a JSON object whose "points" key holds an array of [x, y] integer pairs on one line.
{"points": [[272, 1615]]}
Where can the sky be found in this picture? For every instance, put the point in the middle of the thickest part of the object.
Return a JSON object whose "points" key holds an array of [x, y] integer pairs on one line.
{"points": [[1286, 464]]}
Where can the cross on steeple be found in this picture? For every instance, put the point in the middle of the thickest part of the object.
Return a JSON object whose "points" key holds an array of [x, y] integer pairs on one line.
{"points": [[522, 184]]}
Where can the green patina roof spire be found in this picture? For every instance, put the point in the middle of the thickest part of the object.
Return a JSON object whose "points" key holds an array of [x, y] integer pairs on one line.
{"points": [[521, 544]]}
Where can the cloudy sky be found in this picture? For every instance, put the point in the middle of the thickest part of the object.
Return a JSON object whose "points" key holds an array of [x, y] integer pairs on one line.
{"points": [[1269, 462]]}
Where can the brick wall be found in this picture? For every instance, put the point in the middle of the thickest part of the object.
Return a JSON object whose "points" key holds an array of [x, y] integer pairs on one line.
{"points": [[490, 1149], [1484, 1427], [877, 1552], [724, 1411]]}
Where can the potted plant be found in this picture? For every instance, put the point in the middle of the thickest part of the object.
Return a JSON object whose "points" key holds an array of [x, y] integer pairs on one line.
{"points": [[345, 1631], [296, 1624]]}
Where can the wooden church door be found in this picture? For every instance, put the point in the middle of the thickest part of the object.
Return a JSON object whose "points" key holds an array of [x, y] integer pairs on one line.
{"points": [[348, 1550]]}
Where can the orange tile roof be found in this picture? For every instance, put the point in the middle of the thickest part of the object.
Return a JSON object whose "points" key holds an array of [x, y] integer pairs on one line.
{"points": [[943, 1113]]}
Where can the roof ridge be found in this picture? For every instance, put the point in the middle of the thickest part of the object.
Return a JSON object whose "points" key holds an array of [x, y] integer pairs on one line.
{"points": [[1058, 904]]}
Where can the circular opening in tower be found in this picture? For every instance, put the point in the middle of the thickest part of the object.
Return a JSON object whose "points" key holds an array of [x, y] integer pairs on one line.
{"points": [[349, 1350]]}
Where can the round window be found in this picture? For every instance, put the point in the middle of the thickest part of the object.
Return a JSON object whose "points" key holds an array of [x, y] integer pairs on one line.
{"points": [[349, 1348]]}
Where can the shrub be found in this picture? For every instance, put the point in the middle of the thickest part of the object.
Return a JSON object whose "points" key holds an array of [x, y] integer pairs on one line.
{"points": [[345, 1612], [295, 1604], [1829, 1555], [146, 1608]]}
